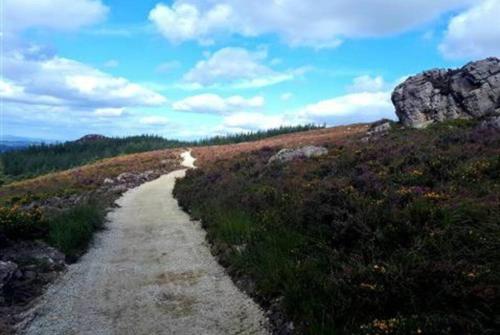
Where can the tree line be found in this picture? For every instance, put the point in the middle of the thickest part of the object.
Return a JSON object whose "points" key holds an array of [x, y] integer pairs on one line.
{"points": [[44, 158]]}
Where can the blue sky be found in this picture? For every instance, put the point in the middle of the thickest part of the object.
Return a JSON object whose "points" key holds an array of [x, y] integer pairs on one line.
{"points": [[195, 68]]}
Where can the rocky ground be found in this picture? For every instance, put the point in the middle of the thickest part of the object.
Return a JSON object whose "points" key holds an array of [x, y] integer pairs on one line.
{"points": [[25, 269]]}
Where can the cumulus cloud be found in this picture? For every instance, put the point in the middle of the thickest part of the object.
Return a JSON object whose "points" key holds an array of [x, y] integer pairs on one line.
{"points": [[64, 82], [47, 95], [474, 33], [34, 75], [322, 24], [367, 99], [52, 14], [359, 107], [43, 93], [234, 67], [185, 21], [215, 104]]}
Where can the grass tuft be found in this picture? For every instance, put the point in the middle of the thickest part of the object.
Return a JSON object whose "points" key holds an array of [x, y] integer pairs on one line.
{"points": [[72, 230]]}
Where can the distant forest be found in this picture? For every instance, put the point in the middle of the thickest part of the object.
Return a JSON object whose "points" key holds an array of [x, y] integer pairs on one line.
{"points": [[41, 159], [254, 136]]}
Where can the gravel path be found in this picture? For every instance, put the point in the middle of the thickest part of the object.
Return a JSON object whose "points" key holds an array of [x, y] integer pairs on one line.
{"points": [[150, 272]]}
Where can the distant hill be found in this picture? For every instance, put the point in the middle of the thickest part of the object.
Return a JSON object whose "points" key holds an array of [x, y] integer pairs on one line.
{"points": [[37, 158], [91, 138], [9, 142], [43, 158]]}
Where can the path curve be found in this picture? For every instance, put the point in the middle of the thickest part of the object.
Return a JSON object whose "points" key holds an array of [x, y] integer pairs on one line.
{"points": [[150, 272]]}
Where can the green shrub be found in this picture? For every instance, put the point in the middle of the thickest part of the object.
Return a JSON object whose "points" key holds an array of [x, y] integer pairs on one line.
{"points": [[72, 230], [17, 223]]}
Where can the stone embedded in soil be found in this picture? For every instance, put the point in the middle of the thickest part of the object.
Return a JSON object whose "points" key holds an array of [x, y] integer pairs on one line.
{"points": [[285, 155]]}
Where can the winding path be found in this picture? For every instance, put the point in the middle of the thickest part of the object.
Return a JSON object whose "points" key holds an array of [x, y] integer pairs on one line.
{"points": [[150, 272]]}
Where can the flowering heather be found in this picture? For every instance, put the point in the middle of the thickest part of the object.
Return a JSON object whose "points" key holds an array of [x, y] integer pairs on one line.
{"points": [[398, 235]]}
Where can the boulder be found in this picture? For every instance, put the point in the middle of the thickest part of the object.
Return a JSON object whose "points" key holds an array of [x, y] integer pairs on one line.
{"points": [[285, 155], [438, 95]]}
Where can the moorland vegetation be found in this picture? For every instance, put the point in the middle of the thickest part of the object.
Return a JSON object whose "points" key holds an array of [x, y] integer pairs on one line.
{"points": [[398, 235]]}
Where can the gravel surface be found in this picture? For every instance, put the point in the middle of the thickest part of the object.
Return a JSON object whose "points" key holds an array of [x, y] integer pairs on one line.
{"points": [[150, 272]]}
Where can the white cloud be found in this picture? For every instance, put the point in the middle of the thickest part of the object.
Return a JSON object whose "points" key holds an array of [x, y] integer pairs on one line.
{"points": [[215, 104], [43, 93], [370, 102], [368, 99], [69, 82], [367, 84], [354, 107], [474, 33], [184, 21], [109, 112], [154, 121], [286, 96], [322, 24], [52, 14], [37, 79], [234, 67], [9, 90]]}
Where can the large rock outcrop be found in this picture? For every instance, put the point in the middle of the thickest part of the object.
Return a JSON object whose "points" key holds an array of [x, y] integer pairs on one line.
{"points": [[437, 95]]}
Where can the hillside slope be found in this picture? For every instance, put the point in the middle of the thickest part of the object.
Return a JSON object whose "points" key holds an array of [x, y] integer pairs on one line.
{"points": [[39, 159], [65, 208], [91, 176], [399, 234]]}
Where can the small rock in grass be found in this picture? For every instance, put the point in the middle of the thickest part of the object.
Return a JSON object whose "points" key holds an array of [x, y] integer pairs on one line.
{"points": [[380, 127], [108, 181], [285, 155]]}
